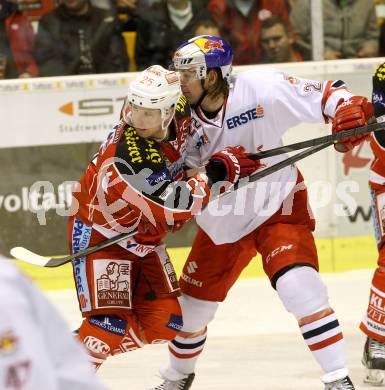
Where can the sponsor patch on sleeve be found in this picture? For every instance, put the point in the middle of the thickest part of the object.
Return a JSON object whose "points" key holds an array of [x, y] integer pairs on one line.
{"points": [[109, 324], [378, 99]]}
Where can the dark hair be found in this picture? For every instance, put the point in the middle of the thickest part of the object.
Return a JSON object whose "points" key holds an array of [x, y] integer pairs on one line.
{"points": [[221, 86], [207, 22], [272, 21], [7, 8]]}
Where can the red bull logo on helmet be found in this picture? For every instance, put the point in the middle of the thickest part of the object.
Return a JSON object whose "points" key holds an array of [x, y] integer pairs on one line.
{"points": [[207, 45]]}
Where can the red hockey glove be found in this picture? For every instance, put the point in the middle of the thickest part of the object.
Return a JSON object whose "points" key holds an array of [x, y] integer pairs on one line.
{"points": [[231, 164], [351, 113]]}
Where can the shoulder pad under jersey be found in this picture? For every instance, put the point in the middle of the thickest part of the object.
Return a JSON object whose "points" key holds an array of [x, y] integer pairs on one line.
{"points": [[182, 109], [182, 120]]}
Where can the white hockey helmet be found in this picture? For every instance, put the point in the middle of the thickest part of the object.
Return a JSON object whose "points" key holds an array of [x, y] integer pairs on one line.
{"points": [[156, 88]]}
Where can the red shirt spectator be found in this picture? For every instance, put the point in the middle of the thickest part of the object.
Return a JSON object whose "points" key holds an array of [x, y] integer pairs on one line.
{"points": [[243, 32], [20, 39]]}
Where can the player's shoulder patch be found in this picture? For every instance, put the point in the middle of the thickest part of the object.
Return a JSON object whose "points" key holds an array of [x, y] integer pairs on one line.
{"points": [[8, 342], [303, 87], [378, 100], [291, 79]]}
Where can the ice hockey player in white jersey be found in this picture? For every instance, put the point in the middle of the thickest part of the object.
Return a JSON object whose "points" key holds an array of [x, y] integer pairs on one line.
{"points": [[254, 109], [37, 349]]}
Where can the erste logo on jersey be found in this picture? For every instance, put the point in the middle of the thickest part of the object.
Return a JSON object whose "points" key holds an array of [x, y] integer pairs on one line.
{"points": [[245, 117]]}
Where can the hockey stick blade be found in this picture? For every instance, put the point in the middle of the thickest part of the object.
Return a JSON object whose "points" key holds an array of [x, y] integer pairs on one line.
{"points": [[379, 125], [27, 256], [30, 257]]}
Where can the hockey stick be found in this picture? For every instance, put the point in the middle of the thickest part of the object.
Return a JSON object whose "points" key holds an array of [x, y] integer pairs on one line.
{"points": [[334, 138], [289, 161], [276, 167], [30, 257], [315, 144]]}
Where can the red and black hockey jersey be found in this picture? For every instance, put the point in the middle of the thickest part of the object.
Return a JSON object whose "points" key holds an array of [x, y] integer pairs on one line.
{"points": [[132, 179]]}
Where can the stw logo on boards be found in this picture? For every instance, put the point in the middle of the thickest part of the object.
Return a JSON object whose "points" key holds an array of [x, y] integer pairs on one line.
{"points": [[92, 107]]}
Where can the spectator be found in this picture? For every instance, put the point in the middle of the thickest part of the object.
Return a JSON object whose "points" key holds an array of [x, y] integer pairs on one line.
{"points": [[126, 10], [78, 38], [16, 43], [207, 27], [350, 28], [127, 13], [240, 23], [163, 27], [277, 42]]}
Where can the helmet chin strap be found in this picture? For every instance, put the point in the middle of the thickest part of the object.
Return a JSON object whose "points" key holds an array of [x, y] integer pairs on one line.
{"points": [[128, 118], [165, 123]]}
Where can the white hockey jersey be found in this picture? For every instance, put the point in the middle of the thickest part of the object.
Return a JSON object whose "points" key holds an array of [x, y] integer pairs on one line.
{"points": [[37, 350], [261, 106]]}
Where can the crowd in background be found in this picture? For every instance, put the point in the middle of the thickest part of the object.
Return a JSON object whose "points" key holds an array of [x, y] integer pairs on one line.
{"points": [[70, 37]]}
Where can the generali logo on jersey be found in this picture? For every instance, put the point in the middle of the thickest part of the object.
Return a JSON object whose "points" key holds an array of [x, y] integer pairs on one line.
{"points": [[245, 117], [112, 283]]}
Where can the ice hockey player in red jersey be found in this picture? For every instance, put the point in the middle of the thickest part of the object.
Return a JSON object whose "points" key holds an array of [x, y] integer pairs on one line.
{"points": [[254, 109], [128, 292], [373, 323]]}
